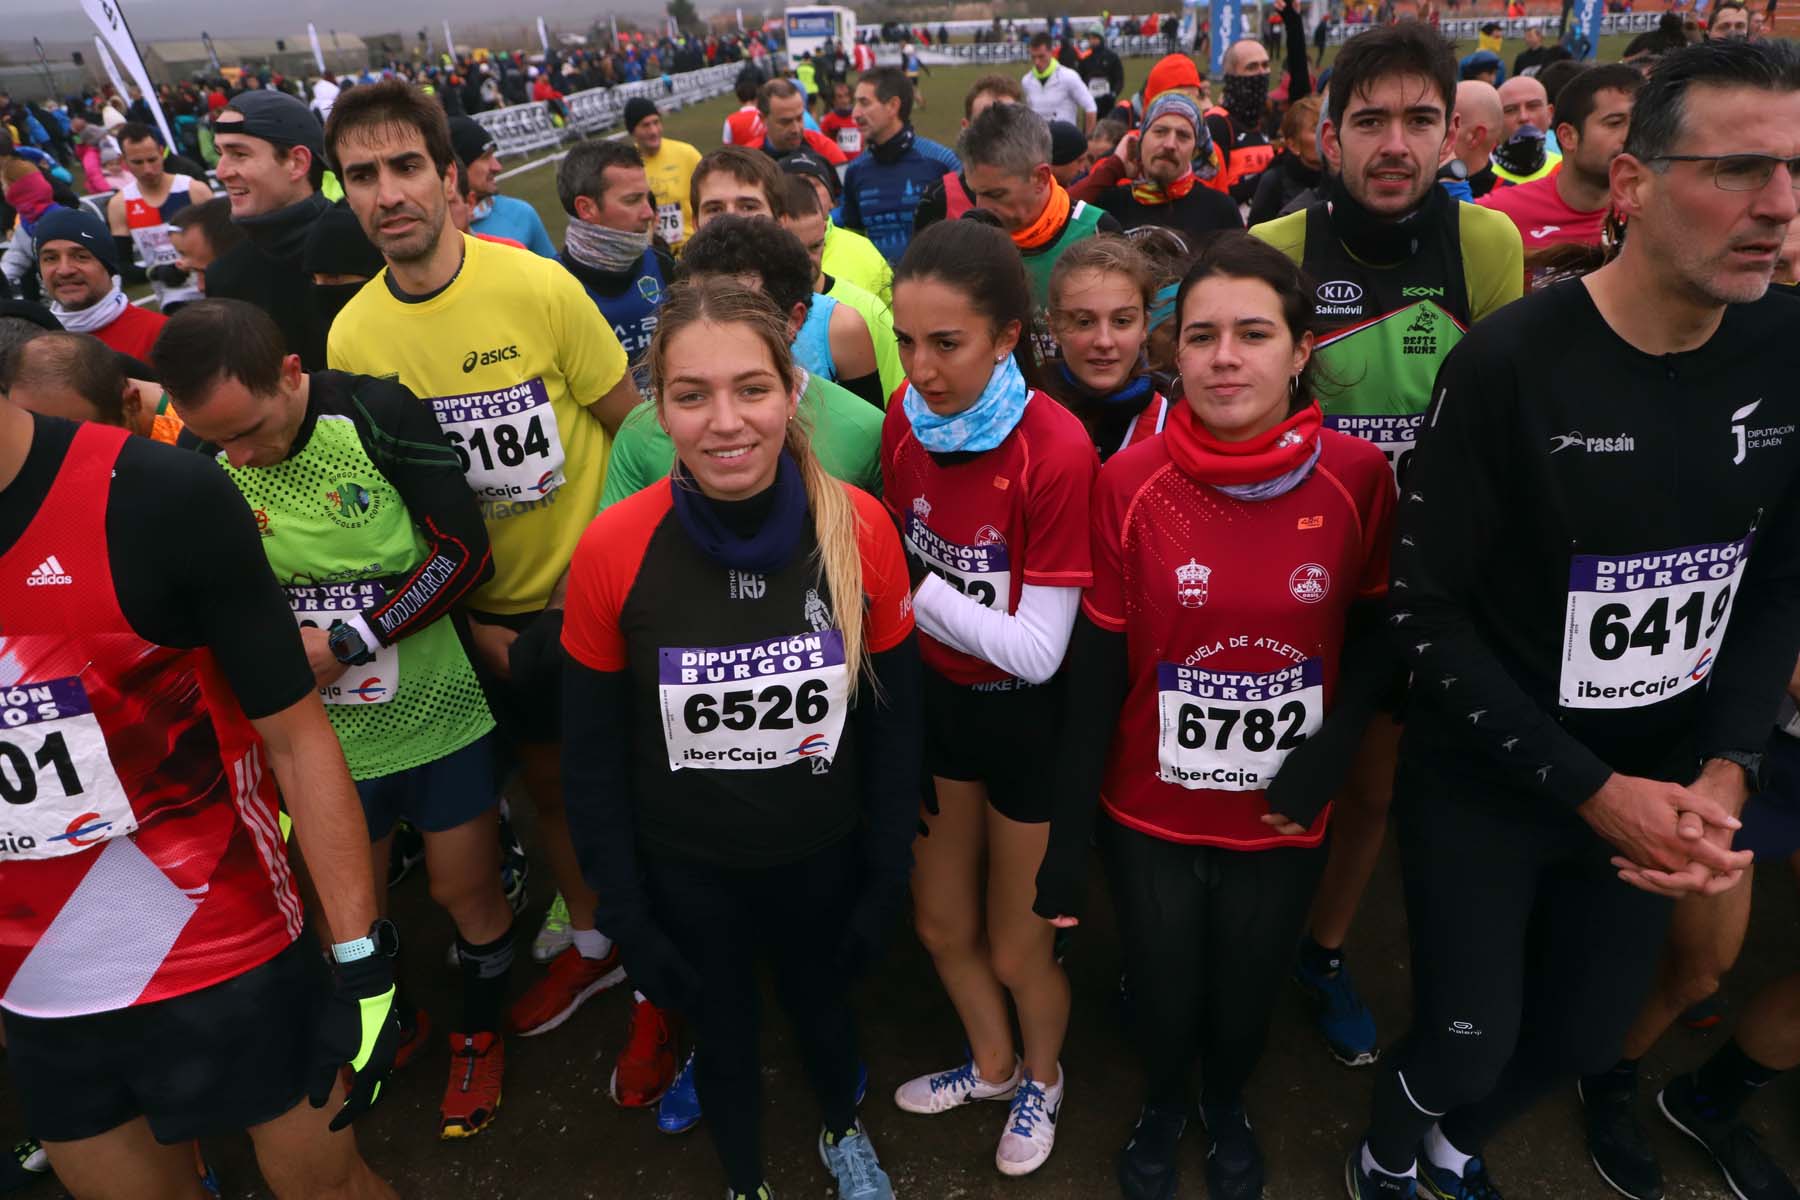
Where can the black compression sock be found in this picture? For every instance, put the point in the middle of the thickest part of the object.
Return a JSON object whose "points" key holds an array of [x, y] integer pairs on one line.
{"points": [[1622, 1076], [1317, 959], [485, 970], [1729, 1078]]}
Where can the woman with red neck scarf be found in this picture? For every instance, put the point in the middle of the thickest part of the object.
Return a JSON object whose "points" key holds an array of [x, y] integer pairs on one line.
{"points": [[1226, 658]]}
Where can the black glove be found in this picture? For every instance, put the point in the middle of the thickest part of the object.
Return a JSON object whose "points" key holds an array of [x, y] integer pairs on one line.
{"points": [[169, 275], [866, 931], [928, 798], [657, 968], [1061, 881], [359, 1027]]}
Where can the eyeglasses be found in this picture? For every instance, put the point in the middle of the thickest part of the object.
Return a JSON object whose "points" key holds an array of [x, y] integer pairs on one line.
{"points": [[1740, 172]]}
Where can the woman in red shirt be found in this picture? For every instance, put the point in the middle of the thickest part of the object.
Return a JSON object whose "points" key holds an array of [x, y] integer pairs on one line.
{"points": [[989, 480], [1226, 660]]}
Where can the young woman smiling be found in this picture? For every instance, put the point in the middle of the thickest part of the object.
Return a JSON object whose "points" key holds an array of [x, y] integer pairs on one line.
{"points": [[1226, 659], [1101, 292], [989, 479], [742, 699]]}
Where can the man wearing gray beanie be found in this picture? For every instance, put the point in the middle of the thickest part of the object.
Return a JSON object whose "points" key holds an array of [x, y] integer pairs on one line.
{"points": [[669, 165], [1166, 175], [79, 268]]}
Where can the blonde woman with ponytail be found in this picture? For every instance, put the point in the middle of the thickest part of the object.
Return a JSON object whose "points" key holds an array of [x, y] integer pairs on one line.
{"points": [[742, 699]]}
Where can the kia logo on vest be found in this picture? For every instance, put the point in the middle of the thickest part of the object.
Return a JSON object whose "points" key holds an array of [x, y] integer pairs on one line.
{"points": [[1340, 291]]}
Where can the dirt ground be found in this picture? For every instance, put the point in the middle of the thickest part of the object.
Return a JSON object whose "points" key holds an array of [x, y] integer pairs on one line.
{"points": [[558, 1136]]}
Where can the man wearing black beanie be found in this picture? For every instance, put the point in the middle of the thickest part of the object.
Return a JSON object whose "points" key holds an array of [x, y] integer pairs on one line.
{"points": [[669, 165], [272, 165]]}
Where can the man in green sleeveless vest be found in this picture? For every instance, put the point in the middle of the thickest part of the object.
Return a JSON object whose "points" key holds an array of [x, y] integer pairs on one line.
{"points": [[1006, 160], [370, 526], [1401, 270]]}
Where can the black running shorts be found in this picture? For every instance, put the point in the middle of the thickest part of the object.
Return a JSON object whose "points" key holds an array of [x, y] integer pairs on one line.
{"points": [[1002, 735], [211, 1062]]}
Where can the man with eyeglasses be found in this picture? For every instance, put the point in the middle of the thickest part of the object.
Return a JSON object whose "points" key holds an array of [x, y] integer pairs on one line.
{"points": [[1597, 588]]}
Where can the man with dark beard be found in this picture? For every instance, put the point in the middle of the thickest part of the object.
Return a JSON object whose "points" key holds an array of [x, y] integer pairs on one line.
{"points": [[1153, 178]]}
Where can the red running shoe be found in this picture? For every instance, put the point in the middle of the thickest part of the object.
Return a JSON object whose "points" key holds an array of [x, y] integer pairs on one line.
{"points": [[646, 1066], [472, 1097], [564, 988]]}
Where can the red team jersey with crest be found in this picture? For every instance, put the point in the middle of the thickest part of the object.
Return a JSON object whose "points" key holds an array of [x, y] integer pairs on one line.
{"points": [[989, 523], [1233, 612], [140, 857]]}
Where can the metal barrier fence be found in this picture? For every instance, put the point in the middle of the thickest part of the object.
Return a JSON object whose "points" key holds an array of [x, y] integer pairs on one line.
{"points": [[1132, 46], [1467, 29], [522, 128]]}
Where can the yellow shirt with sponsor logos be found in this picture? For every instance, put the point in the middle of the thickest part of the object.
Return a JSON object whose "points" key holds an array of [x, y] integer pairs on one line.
{"points": [[508, 356], [671, 174]]}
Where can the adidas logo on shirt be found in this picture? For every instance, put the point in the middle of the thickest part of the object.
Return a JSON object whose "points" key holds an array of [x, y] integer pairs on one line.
{"points": [[49, 573]]}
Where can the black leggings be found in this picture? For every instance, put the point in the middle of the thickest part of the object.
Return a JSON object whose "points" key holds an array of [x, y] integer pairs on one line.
{"points": [[1209, 934], [721, 918], [1530, 959]]}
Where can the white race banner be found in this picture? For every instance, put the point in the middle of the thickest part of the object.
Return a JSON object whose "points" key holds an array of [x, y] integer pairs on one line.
{"points": [[312, 35], [109, 20]]}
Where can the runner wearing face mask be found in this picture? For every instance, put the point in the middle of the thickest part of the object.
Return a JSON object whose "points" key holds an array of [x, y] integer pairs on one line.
{"points": [[1101, 293]]}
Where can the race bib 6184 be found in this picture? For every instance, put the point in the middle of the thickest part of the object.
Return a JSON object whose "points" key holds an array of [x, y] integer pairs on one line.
{"points": [[508, 440], [756, 706], [1230, 730], [1642, 628]]}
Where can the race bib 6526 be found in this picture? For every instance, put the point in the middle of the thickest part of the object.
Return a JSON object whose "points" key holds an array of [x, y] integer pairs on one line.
{"points": [[1641, 628], [59, 793], [756, 706], [1230, 730]]}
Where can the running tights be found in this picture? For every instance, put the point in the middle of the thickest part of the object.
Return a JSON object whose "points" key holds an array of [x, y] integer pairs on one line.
{"points": [[1530, 960], [722, 919], [1209, 935]]}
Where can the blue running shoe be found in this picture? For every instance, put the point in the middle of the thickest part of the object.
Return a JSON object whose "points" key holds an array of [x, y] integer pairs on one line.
{"points": [[679, 1109], [1362, 1184], [1441, 1184], [850, 1157], [24, 1166], [1346, 1022]]}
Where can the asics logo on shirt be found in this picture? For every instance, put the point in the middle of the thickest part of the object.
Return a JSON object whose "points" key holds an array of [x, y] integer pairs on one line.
{"points": [[487, 358], [49, 573]]}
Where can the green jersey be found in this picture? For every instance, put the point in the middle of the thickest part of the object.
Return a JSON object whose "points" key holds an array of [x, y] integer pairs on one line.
{"points": [[368, 523], [846, 435], [880, 319]]}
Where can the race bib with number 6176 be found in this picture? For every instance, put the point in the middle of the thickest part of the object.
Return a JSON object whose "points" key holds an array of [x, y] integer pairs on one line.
{"points": [[756, 706], [1229, 730], [1642, 628], [508, 440], [60, 792], [671, 227]]}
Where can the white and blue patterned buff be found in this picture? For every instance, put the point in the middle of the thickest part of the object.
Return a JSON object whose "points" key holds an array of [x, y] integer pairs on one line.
{"points": [[979, 427]]}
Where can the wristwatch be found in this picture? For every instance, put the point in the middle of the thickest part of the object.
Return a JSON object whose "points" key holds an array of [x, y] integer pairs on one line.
{"points": [[383, 939], [347, 645], [1456, 168], [1750, 761]]}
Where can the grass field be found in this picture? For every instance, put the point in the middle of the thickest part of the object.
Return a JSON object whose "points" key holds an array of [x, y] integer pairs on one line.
{"points": [[939, 119]]}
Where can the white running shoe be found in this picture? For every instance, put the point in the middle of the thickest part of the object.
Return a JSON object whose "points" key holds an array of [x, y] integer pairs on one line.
{"points": [[951, 1089], [1030, 1127], [556, 934]]}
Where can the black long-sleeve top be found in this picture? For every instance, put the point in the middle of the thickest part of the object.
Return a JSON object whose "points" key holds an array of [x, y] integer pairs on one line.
{"points": [[1558, 472]]}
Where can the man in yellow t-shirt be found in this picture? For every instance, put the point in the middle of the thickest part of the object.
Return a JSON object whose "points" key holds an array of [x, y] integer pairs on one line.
{"points": [[669, 164], [527, 381]]}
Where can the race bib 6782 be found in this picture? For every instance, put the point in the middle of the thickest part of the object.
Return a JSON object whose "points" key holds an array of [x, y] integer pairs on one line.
{"points": [[1642, 628]]}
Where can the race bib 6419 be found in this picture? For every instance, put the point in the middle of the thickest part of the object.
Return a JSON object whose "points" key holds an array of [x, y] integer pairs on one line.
{"points": [[755, 706], [1641, 628]]}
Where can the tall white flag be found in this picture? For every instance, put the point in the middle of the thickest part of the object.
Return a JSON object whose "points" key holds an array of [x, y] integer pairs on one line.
{"points": [[449, 42], [112, 70], [543, 35], [312, 34], [109, 19]]}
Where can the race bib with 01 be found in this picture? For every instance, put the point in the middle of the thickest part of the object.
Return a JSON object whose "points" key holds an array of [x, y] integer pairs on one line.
{"points": [[1642, 628], [1228, 730], [755, 706], [508, 440], [981, 572], [375, 677], [60, 792]]}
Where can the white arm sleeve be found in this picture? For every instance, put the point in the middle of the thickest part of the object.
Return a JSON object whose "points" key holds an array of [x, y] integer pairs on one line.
{"points": [[1029, 643]]}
